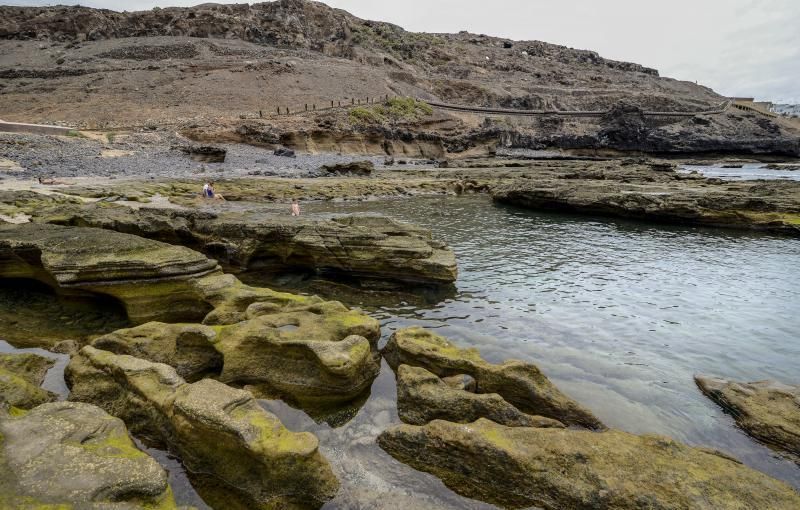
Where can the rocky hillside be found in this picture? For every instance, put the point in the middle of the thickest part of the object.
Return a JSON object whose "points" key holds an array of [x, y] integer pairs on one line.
{"points": [[220, 63]]}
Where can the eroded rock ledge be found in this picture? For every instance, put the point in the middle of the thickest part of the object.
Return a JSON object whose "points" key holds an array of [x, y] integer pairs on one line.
{"points": [[367, 247], [151, 280], [520, 384], [666, 198], [767, 410], [519, 467], [222, 435]]}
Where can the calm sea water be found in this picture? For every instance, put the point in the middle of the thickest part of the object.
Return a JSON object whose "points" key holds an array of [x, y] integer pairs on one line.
{"points": [[748, 172], [620, 315]]}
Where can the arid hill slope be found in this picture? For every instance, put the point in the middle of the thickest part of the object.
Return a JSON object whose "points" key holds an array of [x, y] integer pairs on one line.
{"points": [[214, 64]]}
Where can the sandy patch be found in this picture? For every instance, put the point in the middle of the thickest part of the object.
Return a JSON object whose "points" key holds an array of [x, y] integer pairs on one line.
{"points": [[17, 218], [115, 153], [7, 165]]}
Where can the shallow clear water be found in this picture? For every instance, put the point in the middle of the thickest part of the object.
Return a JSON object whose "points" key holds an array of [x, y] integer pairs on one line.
{"points": [[748, 172], [620, 315]]}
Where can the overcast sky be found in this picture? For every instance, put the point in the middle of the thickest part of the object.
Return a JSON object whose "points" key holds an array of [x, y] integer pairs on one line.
{"points": [[737, 47]]}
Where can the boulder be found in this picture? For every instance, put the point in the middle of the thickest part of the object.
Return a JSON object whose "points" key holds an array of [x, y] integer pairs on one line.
{"points": [[21, 377], [357, 168], [423, 397], [555, 469], [240, 454], [361, 247], [520, 384], [204, 153], [767, 410], [284, 152], [150, 279], [74, 455]]}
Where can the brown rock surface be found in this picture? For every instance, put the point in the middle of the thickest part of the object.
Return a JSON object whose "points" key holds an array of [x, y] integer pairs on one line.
{"points": [[767, 410], [221, 433], [520, 384], [422, 397], [556, 469]]}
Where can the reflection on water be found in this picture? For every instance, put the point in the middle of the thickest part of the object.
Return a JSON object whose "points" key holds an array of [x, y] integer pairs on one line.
{"points": [[747, 172], [619, 314]]}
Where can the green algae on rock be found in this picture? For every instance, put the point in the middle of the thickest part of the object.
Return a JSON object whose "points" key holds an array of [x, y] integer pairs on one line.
{"points": [[521, 384], [188, 348], [316, 354], [21, 377], [150, 279], [767, 410], [520, 467], [220, 433], [423, 397], [370, 247], [72, 455]]}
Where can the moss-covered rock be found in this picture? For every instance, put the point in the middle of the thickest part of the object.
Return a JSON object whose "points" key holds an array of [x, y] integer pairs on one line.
{"points": [[555, 469], [521, 384], [72, 455], [245, 453], [21, 377], [150, 279], [423, 397], [322, 354], [308, 351], [233, 301], [189, 348], [358, 246], [767, 410]]}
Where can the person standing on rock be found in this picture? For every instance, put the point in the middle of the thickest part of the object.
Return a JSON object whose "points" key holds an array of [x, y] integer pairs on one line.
{"points": [[295, 207]]}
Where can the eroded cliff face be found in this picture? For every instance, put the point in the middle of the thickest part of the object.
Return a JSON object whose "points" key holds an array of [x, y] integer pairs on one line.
{"points": [[224, 72]]}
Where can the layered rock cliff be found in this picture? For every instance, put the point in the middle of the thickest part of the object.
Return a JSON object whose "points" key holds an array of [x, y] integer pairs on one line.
{"points": [[99, 68]]}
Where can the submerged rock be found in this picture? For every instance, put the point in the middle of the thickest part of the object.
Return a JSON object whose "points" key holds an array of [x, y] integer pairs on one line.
{"points": [[250, 459], [368, 247], [69, 454], [520, 384], [767, 410], [150, 279], [21, 377], [555, 469], [423, 397]]}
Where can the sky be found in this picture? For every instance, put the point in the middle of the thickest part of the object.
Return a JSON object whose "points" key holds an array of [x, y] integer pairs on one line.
{"points": [[736, 47]]}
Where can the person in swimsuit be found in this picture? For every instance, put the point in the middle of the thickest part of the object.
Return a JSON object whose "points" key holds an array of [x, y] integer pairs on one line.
{"points": [[295, 208], [208, 191]]}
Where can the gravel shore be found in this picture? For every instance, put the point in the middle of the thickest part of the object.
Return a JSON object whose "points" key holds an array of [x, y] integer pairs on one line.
{"points": [[146, 155]]}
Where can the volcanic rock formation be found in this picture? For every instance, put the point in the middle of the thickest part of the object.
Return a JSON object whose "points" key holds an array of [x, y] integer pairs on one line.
{"points": [[767, 410], [217, 430], [75, 455], [518, 383], [554, 469]]}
